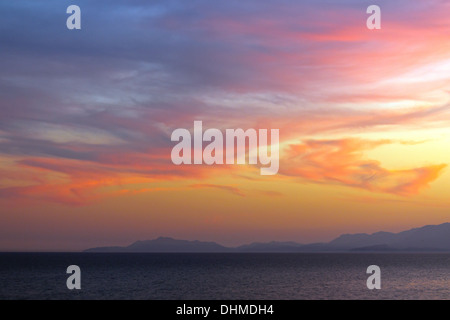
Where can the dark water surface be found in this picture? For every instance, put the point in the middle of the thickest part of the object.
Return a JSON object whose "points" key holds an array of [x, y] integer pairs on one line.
{"points": [[224, 276]]}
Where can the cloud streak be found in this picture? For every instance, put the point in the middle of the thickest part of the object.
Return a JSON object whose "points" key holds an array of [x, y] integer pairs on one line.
{"points": [[342, 162]]}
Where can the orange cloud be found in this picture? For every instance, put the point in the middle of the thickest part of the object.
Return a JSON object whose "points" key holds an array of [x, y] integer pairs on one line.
{"points": [[342, 162], [77, 182], [231, 189]]}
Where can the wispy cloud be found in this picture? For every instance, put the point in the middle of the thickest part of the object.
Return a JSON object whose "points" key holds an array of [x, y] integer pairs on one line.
{"points": [[231, 189], [341, 162]]}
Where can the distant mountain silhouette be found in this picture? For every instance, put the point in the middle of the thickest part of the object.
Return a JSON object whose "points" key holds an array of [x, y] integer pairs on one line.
{"points": [[427, 238], [432, 237], [163, 244]]}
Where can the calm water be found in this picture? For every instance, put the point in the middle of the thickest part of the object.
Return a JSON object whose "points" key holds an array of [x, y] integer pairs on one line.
{"points": [[223, 276]]}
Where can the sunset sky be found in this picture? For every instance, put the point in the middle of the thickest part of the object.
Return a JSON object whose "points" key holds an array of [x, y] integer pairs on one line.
{"points": [[86, 118]]}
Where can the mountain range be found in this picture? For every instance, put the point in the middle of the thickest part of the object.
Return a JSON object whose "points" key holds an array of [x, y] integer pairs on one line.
{"points": [[424, 239]]}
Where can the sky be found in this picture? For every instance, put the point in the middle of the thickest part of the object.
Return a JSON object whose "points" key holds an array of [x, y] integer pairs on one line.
{"points": [[86, 118]]}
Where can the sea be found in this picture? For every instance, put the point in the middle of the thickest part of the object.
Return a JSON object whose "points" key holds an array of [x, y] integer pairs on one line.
{"points": [[224, 276]]}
